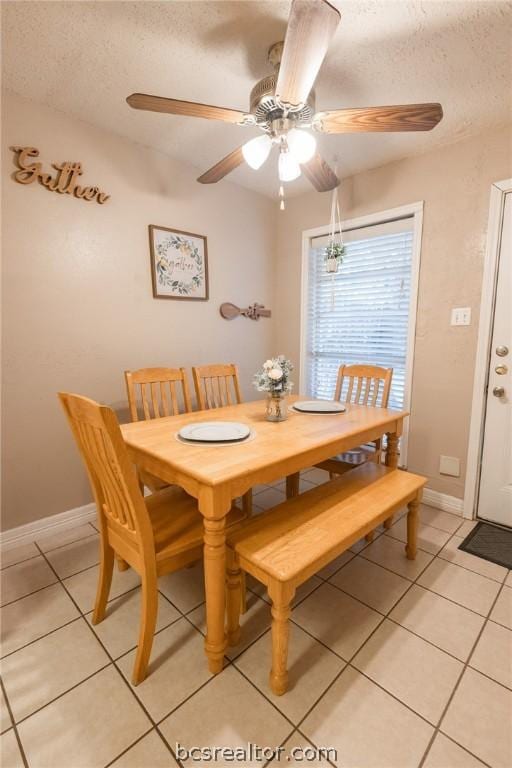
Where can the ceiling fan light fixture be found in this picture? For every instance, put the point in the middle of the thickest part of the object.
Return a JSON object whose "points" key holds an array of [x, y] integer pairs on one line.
{"points": [[256, 151], [301, 144], [289, 169]]}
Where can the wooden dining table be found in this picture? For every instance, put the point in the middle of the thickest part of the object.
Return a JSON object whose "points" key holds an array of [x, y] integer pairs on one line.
{"points": [[217, 474]]}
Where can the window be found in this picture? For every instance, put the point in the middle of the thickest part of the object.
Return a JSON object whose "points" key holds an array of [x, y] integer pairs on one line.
{"points": [[365, 313]]}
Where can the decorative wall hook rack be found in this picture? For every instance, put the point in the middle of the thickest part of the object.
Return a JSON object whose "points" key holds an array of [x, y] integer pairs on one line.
{"points": [[254, 312]]}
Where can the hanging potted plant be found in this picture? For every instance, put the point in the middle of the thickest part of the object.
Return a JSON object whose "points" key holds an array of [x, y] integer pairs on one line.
{"points": [[333, 256], [334, 251]]}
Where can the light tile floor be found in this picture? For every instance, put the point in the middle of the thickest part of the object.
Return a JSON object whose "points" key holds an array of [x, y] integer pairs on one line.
{"points": [[392, 664]]}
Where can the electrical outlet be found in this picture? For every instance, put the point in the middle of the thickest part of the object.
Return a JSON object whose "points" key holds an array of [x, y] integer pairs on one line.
{"points": [[449, 465], [461, 316]]}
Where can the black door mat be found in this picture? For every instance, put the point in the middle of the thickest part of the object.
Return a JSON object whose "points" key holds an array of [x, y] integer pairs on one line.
{"points": [[490, 542]]}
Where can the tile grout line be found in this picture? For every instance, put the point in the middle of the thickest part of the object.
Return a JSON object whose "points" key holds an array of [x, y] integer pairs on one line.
{"points": [[71, 688], [338, 675], [349, 662], [85, 615], [316, 746], [18, 562], [52, 549], [388, 617], [29, 594], [113, 663], [107, 765], [41, 637], [415, 581], [14, 726], [184, 615], [93, 535], [468, 751], [462, 673]]}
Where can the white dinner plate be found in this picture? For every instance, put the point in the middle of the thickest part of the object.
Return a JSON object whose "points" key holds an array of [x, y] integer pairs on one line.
{"points": [[319, 406], [215, 432]]}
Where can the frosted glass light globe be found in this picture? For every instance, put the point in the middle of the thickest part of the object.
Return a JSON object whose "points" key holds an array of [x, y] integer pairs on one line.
{"points": [[289, 169], [256, 151], [301, 144]]}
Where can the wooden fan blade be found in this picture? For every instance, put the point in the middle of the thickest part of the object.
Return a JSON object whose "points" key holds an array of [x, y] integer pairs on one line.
{"points": [[188, 108], [223, 167], [311, 26], [406, 117], [320, 174]]}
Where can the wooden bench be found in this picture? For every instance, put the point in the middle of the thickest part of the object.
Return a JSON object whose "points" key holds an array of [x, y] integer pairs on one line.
{"points": [[283, 547]]}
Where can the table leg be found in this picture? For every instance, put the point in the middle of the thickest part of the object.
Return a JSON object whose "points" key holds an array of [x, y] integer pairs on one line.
{"points": [[392, 454], [292, 485], [215, 577], [214, 505]]}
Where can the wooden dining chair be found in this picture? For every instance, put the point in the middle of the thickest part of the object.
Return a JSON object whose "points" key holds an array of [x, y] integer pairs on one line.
{"points": [[362, 385], [155, 535], [216, 385], [152, 394]]}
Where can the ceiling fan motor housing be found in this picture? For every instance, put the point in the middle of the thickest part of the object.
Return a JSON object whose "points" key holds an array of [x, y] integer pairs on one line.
{"points": [[263, 104]]}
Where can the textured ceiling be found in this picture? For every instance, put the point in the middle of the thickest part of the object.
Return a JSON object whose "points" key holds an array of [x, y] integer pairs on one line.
{"points": [[84, 58]]}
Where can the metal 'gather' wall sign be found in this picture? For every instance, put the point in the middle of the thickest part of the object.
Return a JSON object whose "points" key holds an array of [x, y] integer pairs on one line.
{"points": [[64, 181]]}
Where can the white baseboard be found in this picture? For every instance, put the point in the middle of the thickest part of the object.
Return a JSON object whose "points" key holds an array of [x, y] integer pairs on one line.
{"points": [[25, 534], [443, 501]]}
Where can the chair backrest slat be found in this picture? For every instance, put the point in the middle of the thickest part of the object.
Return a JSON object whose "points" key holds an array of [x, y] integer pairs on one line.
{"points": [[162, 398], [216, 385], [111, 473], [364, 384], [154, 399]]}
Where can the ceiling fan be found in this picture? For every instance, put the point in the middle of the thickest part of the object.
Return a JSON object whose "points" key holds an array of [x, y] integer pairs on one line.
{"points": [[282, 105]]}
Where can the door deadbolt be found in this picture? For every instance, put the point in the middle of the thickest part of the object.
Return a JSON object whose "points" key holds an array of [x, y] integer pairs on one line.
{"points": [[498, 391], [502, 350], [501, 370]]}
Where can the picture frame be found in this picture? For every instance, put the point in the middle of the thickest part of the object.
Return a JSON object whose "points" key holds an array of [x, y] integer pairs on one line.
{"points": [[179, 264]]}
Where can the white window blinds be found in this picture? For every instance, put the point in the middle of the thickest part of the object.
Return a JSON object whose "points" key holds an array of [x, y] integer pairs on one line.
{"points": [[361, 313]]}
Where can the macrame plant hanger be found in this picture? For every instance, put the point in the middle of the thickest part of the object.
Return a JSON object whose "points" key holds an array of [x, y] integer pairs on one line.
{"points": [[335, 247]]}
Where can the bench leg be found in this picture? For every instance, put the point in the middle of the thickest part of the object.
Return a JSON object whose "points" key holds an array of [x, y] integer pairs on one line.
{"points": [[412, 529], [234, 596], [369, 536], [281, 596]]}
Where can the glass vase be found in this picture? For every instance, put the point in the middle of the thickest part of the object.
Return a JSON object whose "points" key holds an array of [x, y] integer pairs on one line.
{"points": [[277, 409]]}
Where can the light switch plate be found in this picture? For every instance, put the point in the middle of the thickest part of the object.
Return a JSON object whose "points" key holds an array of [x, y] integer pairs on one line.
{"points": [[461, 316], [449, 465]]}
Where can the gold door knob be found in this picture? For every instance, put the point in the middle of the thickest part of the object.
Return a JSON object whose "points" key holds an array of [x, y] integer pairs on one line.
{"points": [[498, 391], [501, 370]]}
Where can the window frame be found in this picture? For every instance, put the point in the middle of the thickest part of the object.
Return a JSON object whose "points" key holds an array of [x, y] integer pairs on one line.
{"points": [[414, 210]]}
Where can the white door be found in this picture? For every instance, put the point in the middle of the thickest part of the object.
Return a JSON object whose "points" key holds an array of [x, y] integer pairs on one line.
{"points": [[495, 499]]}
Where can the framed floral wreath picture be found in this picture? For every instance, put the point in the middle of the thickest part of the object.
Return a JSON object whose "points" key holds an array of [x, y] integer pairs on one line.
{"points": [[179, 264]]}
